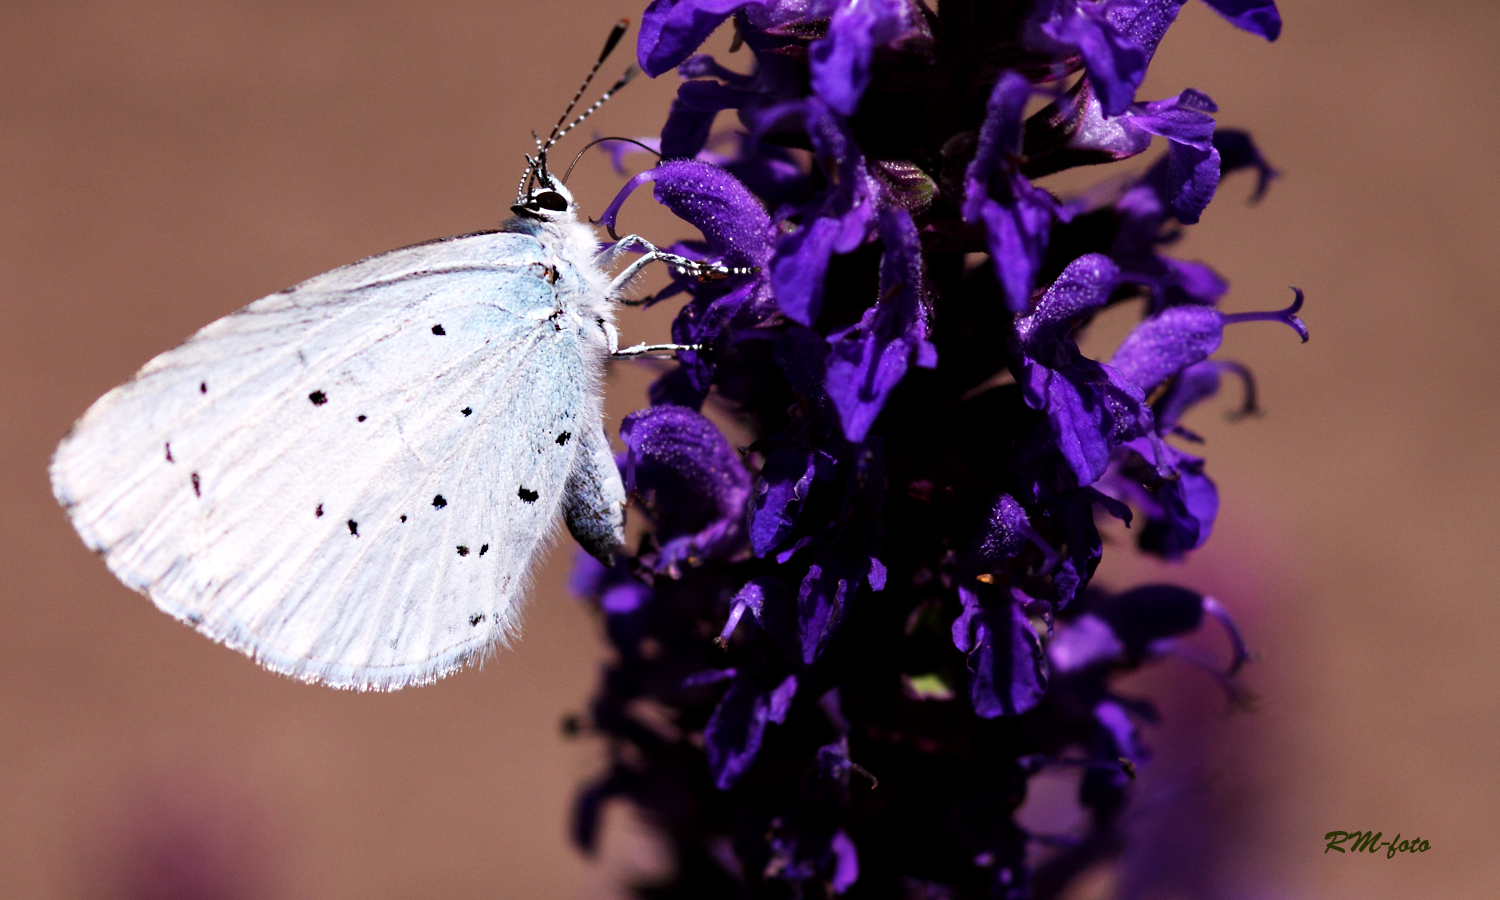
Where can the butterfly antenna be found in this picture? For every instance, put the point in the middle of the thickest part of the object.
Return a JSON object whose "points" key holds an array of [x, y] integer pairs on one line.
{"points": [[610, 43], [526, 177], [625, 79], [596, 142], [538, 167]]}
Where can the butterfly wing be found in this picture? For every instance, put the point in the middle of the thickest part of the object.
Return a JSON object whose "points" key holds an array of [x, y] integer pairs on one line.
{"points": [[349, 480]]}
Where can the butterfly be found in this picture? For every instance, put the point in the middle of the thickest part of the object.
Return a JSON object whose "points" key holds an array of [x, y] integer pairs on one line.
{"points": [[350, 480]]}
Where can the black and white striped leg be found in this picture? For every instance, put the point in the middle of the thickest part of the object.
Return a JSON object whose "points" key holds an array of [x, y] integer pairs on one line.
{"points": [[640, 350], [703, 271]]}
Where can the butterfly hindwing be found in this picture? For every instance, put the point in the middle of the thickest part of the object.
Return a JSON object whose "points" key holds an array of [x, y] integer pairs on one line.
{"points": [[350, 479]]}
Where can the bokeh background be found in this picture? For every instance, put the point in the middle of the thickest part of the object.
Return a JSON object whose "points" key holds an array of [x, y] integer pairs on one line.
{"points": [[163, 162]]}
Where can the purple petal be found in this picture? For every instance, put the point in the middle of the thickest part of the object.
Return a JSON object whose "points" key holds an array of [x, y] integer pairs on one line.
{"points": [[823, 599], [1116, 723], [1080, 420], [672, 29], [1143, 21], [798, 268], [1074, 514], [999, 139], [838, 221], [1255, 16], [1008, 671], [1018, 232], [845, 862], [1017, 215], [780, 491], [692, 115], [735, 731], [1192, 178], [1167, 343], [1083, 643], [734, 224], [840, 61], [866, 361], [1189, 506], [780, 702], [1005, 534], [963, 626], [1084, 286], [1090, 406], [1179, 510], [1116, 64], [1147, 614], [690, 478], [1183, 119], [1237, 151]]}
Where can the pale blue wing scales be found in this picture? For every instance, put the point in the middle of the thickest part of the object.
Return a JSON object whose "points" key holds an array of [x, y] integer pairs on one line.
{"points": [[276, 524]]}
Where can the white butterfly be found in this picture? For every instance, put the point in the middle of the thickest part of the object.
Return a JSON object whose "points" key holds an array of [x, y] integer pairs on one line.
{"points": [[350, 480]]}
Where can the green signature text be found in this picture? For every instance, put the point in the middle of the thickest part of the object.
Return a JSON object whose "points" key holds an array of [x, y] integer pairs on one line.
{"points": [[1370, 842]]}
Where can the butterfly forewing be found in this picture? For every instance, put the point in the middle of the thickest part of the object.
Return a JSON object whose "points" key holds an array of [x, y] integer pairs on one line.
{"points": [[349, 479]]}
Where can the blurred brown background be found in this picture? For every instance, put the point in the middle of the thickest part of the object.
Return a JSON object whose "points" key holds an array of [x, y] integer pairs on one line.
{"points": [[166, 162]]}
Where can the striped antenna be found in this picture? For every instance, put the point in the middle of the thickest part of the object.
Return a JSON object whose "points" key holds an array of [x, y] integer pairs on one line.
{"points": [[625, 79], [613, 41]]}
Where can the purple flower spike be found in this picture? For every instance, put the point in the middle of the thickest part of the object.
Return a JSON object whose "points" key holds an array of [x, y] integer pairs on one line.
{"points": [[691, 480], [1287, 317], [840, 62], [865, 178]]}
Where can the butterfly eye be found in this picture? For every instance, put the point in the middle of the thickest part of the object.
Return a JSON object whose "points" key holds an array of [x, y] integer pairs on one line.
{"points": [[551, 200]]}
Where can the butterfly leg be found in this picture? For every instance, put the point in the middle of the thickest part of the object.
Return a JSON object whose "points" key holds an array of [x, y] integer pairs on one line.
{"points": [[645, 349], [703, 271], [612, 339]]}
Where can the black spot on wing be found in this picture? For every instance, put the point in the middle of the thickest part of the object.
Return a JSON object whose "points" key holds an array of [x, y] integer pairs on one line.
{"points": [[467, 411], [403, 518], [462, 550], [438, 502], [318, 513], [476, 619], [318, 398], [169, 453], [527, 496], [438, 329], [483, 549], [359, 418], [197, 486], [562, 439], [353, 528], [202, 387]]}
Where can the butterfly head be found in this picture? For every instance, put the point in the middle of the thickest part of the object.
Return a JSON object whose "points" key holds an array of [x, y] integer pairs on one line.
{"points": [[542, 196]]}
